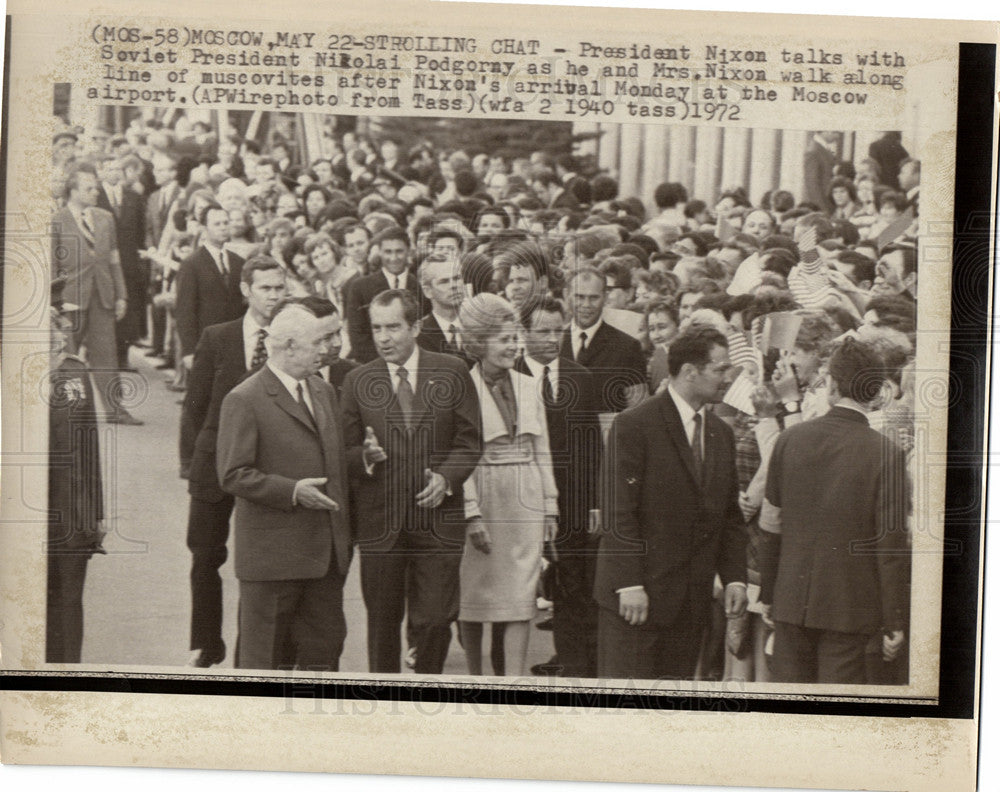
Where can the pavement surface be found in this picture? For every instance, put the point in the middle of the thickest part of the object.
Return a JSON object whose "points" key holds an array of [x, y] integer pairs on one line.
{"points": [[137, 597]]}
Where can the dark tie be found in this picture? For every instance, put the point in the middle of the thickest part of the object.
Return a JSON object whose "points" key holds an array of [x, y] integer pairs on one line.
{"points": [[305, 406], [696, 446], [453, 336], [260, 352], [583, 345], [222, 264], [88, 231], [548, 397], [395, 281], [405, 395]]}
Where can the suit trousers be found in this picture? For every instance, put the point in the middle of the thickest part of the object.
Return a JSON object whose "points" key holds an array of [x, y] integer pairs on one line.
{"points": [[64, 606], [418, 577], [805, 654], [292, 624], [648, 651], [94, 329], [207, 533], [574, 616]]}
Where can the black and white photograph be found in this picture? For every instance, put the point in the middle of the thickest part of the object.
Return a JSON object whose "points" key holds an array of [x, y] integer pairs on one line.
{"points": [[368, 370]]}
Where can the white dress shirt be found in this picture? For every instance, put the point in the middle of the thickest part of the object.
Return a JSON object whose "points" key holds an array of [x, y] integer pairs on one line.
{"points": [[574, 333], [538, 372], [411, 370], [400, 284], [445, 325], [292, 386]]}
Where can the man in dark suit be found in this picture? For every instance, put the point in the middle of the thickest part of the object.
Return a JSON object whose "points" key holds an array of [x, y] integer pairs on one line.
{"points": [[157, 216], [443, 287], [567, 389], [85, 254], [281, 455], [614, 358], [128, 208], [834, 557], [224, 356], [393, 246], [412, 425], [208, 293], [672, 520], [820, 157]]}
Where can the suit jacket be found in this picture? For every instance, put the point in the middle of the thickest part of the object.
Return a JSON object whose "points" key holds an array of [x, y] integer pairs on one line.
{"points": [[818, 167], [204, 297], [158, 212], [267, 443], [90, 271], [844, 561], [219, 365], [616, 362], [433, 339], [338, 372], [359, 296], [445, 437], [664, 529], [575, 443]]}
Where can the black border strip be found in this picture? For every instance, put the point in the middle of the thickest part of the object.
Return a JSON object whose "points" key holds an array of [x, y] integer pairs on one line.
{"points": [[970, 333]]}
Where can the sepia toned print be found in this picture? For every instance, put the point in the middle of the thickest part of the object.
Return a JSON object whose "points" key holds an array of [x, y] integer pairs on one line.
{"points": [[586, 362]]}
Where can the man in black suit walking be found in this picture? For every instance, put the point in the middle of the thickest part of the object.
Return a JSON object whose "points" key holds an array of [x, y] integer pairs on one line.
{"points": [[208, 293], [567, 389], [412, 427], [614, 358], [672, 520], [224, 356], [393, 247]]}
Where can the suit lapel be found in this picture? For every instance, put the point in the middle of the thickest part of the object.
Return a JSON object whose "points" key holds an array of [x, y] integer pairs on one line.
{"points": [[284, 399], [675, 428]]}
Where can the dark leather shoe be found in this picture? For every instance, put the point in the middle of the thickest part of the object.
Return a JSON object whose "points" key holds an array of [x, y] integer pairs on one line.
{"points": [[550, 668], [175, 388], [125, 418], [206, 658], [154, 353], [163, 366], [545, 624]]}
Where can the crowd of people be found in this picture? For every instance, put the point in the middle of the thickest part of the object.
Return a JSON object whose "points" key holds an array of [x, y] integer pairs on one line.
{"points": [[496, 379]]}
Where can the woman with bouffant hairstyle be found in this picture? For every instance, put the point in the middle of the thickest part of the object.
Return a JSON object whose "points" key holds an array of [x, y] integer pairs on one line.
{"points": [[510, 498]]}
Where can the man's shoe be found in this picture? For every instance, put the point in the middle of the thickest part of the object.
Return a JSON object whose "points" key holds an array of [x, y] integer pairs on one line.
{"points": [[552, 668], [206, 658], [125, 418], [163, 366], [172, 386], [544, 624], [154, 353]]}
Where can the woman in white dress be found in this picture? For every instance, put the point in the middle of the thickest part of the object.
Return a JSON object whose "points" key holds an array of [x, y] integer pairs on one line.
{"points": [[510, 498]]}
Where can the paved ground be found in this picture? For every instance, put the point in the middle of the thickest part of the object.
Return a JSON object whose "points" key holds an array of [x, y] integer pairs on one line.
{"points": [[137, 599]]}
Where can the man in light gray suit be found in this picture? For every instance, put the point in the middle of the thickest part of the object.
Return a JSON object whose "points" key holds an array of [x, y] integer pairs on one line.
{"points": [[85, 254]]}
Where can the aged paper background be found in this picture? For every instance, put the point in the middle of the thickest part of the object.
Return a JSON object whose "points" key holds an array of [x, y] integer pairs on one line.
{"points": [[573, 745]]}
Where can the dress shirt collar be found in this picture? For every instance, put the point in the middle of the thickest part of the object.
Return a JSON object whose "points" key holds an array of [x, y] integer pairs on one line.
{"points": [[537, 369], [389, 278], [445, 324], [591, 331], [411, 369], [250, 327], [687, 412], [291, 384]]}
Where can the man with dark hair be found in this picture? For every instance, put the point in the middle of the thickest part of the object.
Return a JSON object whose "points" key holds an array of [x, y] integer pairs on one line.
{"points": [[896, 273], [567, 390], [333, 368], [834, 555], [820, 157], [226, 352], [446, 242], [672, 519], [670, 198], [393, 247], [614, 358], [412, 427]]}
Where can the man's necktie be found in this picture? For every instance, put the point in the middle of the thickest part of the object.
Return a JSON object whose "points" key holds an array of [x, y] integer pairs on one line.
{"points": [[395, 281], [260, 352], [696, 446], [583, 345], [405, 395], [548, 396], [88, 230], [453, 339], [221, 262], [305, 406]]}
